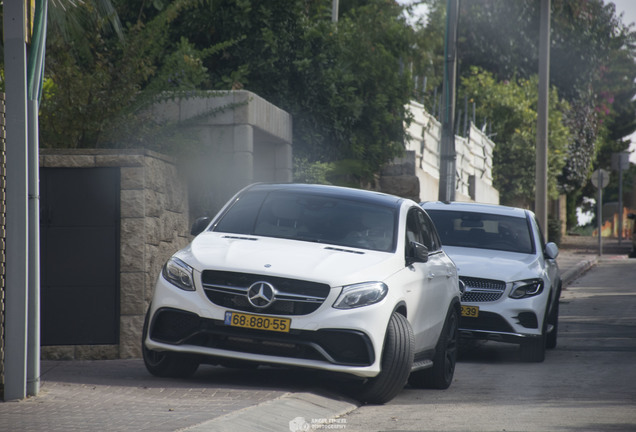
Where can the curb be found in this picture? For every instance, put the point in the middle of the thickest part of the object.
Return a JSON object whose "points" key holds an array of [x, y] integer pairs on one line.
{"points": [[291, 411], [568, 276]]}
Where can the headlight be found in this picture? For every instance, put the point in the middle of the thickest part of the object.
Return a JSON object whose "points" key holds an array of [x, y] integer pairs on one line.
{"points": [[179, 273], [363, 294], [526, 288]]}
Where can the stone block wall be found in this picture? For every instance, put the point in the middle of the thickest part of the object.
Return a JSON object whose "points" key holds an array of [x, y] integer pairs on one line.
{"points": [[154, 224], [398, 177]]}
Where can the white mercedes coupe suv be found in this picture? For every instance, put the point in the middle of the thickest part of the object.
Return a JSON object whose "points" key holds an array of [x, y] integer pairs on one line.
{"points": [[320, 277], [510, 275]]}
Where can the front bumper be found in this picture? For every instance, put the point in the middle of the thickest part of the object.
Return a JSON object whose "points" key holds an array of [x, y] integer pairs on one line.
{"points": [[506, 321], [187, 322], [333, 346]]}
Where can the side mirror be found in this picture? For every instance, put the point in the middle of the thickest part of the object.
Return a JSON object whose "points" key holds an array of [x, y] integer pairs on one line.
{"points": [[551, 250], [417, 253], [200, 225]]}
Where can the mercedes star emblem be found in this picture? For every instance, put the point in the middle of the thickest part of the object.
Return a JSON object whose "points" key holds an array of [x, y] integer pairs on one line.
{"points": [[261, 294]]}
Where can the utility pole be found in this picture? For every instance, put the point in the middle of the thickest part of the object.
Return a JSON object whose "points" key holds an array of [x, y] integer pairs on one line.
{"points": [[448, 156], [16, 292], [35, 77], [541, 172], [23, 79]]}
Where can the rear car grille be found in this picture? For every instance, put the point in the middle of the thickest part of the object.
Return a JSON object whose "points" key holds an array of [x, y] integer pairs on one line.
{"points": [[482, 290], [337, 346], [288, 296]]}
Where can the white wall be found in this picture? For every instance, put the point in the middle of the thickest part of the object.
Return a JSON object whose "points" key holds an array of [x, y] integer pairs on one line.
{"points": [[473, 163]]}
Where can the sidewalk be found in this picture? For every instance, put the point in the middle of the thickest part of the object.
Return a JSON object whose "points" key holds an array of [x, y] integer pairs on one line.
{"points": [[120, 395], [578, 254]]}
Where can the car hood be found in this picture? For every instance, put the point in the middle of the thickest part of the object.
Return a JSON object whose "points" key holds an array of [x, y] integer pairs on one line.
{"points": [[318, 262], [494, 264]]}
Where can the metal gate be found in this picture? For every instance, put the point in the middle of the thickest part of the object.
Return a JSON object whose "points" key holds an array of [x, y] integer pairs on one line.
{"points": [[79, 223]]}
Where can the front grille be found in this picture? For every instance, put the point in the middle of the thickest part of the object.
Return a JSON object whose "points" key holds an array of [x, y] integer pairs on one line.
{"points": [[482, 290], [291, 296]]}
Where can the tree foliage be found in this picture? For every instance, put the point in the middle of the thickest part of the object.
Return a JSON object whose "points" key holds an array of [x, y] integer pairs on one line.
{"points": [[343, 83], [512, 104], [95, 89], [591, 66]]}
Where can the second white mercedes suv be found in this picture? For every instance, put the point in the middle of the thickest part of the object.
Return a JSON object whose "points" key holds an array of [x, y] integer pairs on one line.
{"points": [[511, 278]]}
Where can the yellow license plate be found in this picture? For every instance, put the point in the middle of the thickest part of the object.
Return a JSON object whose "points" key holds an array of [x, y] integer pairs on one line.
{"points": [[470, 311], [236, 319]]}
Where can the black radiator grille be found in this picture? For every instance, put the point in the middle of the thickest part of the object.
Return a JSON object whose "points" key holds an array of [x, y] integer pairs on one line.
{"points": [[290, 297]]}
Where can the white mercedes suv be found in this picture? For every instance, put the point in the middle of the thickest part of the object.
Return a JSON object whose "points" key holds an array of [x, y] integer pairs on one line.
{"points": [[511, 278], [313, 276]]}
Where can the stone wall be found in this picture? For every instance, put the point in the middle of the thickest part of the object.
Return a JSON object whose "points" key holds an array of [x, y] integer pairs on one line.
{"points": [[154, 224], [398, 178]]}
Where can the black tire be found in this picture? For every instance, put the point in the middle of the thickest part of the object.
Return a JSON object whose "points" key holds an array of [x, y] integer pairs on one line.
{"points": [[553, 325], [166, 364], [397, 359], [440, 376], [533, 349]]}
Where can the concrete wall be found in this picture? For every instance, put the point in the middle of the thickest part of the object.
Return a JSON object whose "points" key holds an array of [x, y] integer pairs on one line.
{"points": [[473, 163], [242, 139], [154, 224]]}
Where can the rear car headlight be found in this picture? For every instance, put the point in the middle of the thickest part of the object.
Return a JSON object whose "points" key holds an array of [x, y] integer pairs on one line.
{"points": [[362, 294], [179, 274], [526, 288]]}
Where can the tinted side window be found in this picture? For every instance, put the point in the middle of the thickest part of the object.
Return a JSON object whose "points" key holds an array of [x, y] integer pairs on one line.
{"points": [[540, 231], [420, 228], [429, 233], [413, 230]]}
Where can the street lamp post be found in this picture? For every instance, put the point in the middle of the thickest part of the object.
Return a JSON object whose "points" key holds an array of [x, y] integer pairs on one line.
{"points": [[541, 172], [447, 151]]}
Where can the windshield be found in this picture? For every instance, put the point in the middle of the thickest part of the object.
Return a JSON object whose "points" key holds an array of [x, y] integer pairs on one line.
{"points": [[311, 217], [483, 230]]}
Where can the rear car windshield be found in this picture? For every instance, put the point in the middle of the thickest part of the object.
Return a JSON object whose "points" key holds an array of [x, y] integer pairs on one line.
{"points": [[483, 230], [312, 217]]}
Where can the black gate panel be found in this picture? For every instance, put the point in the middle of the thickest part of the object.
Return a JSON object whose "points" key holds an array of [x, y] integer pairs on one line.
{"points": [[79, 223]]}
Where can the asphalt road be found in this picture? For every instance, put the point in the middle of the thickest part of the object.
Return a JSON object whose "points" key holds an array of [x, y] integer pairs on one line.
{"points": [[588, 383]]}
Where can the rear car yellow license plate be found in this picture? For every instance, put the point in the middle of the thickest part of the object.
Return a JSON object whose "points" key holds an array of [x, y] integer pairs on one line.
{"points": [[470, 311], [258, 322]]}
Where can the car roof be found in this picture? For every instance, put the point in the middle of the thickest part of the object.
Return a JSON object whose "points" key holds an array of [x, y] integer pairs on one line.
{"points": [[368, 196], [476, 208]]}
